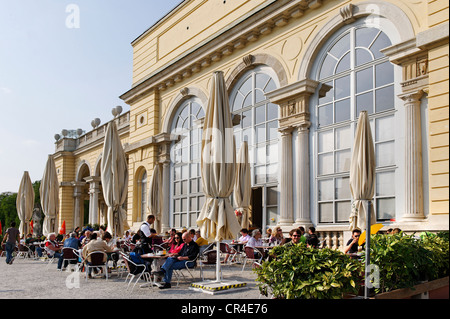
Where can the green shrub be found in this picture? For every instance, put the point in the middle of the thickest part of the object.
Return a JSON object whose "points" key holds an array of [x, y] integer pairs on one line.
{"points": [[304, 273], [405, 260]]}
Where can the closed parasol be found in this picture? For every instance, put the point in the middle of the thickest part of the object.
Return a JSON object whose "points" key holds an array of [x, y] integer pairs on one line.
{"points": [[114, 177], [242, 186], [155, 197], [49, 192], [217, 220], [362, 182], [25, 202]]}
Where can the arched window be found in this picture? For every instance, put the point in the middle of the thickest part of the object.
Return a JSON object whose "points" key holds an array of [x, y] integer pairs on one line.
{"points": [[362, 79], [187, 196], [259, 127]]}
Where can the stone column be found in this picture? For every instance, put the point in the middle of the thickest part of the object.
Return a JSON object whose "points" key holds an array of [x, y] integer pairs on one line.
{"points": [[303, 183], [413, 157], [94, 190], [78, 199], [286, 182]]}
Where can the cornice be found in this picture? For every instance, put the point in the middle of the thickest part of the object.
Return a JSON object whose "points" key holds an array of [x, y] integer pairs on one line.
{"points": [[275, 15]]}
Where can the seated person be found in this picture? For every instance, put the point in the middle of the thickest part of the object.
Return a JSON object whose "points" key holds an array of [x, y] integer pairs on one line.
{"points": [[352, 244], [71, 242], [189, 252], [245, 237], [200, 240], [53, 250], [296, 238], [312, 240], [277, 236], [95, 245], [255, 240], [114, 256], [169, 241], [177, 245]]}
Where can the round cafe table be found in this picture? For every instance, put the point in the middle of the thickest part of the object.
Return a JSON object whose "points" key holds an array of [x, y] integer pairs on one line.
{"points": [[155, 257]]}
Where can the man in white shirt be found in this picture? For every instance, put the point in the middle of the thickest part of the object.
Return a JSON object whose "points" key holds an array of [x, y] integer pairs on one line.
{"points": [[144, 232], [245, 237]]}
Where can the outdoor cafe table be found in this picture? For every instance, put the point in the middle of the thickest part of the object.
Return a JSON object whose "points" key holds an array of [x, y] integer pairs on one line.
{"points": [[156, 257]]}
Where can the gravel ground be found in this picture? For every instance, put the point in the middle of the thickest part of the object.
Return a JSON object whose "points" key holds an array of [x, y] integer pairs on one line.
{"points": [[31, 279]]}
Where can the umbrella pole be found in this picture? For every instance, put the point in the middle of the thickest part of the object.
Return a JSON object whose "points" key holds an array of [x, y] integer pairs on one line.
{"points": [[367, 270], [218, 261]]}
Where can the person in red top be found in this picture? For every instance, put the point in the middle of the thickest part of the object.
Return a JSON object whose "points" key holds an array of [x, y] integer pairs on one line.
{"points": [[177, 244]]}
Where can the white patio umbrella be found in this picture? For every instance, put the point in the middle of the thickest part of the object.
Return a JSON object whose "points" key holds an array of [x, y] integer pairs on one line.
{"points": [[362, 181], [155, 196], [242, 185], [114, 177], [49, 192], [217, 220], [25, 202]]}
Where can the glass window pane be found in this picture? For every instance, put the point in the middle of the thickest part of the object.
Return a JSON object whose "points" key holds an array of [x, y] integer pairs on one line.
{"points": [[344, 64], [384, 73], [270, 86], [177, 171], [184, 220], [272, 173], [380, 43], [342, 46], [272, 130], [325, 212], [385, 154], [385, 208], [260, 174], [184, 187], [272, 214], [385, 98], [185, 171], [272, 196], [176, 221], [247, 135], [384, 128], [177, 188], [259, 96], [326, 164], [246, 119], [260, 133], [364, 102], [193, 219], [260, 114], [342, 111], [248, 101], [326, 115], [246, 87], [343, 210], [261, 155], [343, 137], [201, 201], [364, 80], [272, 111], [364, 36], [237, 103], [261, 80], [343, 161], [326, 143], [342, 190], [342, 87], [327, 67], [177, 205], [362, 56], [193, 204], [385, 183], [329, 95], [326, 188], [194, 170], [272, 153], [194, 186]]}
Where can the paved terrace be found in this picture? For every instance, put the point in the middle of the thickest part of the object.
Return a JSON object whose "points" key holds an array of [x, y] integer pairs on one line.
{"points": [[31, 279]]}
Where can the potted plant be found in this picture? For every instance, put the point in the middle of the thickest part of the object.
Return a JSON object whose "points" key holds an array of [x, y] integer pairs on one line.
{"points": [[301, 272]]}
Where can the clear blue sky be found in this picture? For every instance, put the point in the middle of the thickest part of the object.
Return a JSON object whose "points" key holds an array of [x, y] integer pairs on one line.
{"points": [[55, 77]]}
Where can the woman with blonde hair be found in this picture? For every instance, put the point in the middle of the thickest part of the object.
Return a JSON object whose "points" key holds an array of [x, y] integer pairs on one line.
{"points": [[277, 236]]}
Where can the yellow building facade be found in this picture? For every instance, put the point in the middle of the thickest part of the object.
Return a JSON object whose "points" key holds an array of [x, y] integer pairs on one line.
{"points": [[298, 73]]}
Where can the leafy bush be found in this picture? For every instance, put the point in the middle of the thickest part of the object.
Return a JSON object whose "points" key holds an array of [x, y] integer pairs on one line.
{"points": [[405, 260], [301, 272]]}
